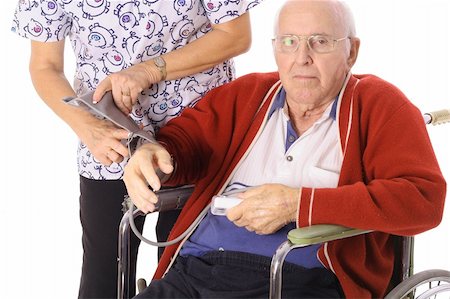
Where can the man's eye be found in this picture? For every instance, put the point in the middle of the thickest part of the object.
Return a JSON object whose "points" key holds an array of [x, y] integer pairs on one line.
{"points": [[288, 41], [320, 40]]}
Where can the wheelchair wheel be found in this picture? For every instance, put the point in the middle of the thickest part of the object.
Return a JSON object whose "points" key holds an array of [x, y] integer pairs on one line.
{"points": [[422, 285]]}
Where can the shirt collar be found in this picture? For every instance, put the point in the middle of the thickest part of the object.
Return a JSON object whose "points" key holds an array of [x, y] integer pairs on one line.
{"points": [[281, 99]]}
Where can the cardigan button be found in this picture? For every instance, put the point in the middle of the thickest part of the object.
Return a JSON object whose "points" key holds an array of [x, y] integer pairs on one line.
{"points": [[289, 158]]}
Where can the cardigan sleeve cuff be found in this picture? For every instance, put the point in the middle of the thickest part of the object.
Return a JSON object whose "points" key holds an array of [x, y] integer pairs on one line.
{"points": [[305, 207]]}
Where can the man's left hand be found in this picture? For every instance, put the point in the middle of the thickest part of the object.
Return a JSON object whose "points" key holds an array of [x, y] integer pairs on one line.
{"points": [[266, 208]]}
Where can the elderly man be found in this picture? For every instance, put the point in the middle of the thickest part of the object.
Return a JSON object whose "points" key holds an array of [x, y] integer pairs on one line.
{"points": [[311, 144]]}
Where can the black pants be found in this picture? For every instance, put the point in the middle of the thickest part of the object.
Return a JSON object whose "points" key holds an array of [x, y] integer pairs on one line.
{"points": [[222, 274], [100, 214]]}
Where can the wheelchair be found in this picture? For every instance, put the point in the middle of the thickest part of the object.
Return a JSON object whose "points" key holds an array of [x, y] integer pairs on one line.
{"points": [[405, 284]]}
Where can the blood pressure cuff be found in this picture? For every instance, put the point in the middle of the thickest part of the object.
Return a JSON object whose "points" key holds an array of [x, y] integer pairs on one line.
{"points": [[106, 108]]}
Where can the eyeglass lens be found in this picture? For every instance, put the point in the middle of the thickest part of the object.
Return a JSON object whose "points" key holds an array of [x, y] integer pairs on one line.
{"points": [[317, 43]]}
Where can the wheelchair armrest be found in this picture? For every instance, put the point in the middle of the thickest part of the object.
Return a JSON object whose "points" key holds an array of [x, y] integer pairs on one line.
{"points": [[321, 233], [173, 198]]}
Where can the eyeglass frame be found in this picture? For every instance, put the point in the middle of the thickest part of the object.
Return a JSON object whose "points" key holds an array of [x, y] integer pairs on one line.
{"points": [[308, 38]]}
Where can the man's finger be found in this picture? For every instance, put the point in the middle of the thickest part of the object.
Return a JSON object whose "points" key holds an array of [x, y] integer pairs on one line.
{"points": [[164, 161], [151, 177], [235, 214], [248, 192]]}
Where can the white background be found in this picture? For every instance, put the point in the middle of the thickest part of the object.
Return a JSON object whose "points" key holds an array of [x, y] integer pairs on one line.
{"points": [[403, 41]]}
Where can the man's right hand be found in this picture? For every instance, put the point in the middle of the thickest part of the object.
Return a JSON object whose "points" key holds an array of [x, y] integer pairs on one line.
{"points": [[140, 173]]}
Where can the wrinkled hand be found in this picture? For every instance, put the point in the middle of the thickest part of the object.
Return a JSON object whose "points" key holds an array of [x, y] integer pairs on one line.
{"points": [[103, 138], [140, 172], [126, 85], [265, 209]]}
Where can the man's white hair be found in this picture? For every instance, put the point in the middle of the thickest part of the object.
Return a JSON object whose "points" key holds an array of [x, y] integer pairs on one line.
{"points": [[349, 20], [344, 12]]}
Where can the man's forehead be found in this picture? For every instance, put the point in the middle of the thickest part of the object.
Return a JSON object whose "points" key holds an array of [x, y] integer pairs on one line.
{"points": [[309, 17]]}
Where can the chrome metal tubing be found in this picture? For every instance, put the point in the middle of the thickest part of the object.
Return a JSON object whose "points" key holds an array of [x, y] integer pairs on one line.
{"points": [[123, 268], [276, 268], [407, 257]]}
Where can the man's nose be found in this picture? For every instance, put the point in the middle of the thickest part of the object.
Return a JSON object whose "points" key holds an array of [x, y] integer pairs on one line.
{"points": [[303, 53]]}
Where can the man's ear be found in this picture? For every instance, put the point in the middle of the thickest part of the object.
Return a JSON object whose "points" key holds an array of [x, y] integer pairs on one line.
{"points": [[354, 50]]}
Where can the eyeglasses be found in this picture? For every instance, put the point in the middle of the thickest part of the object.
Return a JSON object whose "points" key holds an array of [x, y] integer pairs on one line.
{"points": [[289, 43]]}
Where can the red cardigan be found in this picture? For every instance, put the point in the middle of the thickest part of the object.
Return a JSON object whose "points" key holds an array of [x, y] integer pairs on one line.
{"points": [[390, 180]]}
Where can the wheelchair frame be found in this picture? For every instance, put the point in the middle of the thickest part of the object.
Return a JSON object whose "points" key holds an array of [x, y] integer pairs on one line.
{"points": [[406, 283], [404, 280], [123, 269]]}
